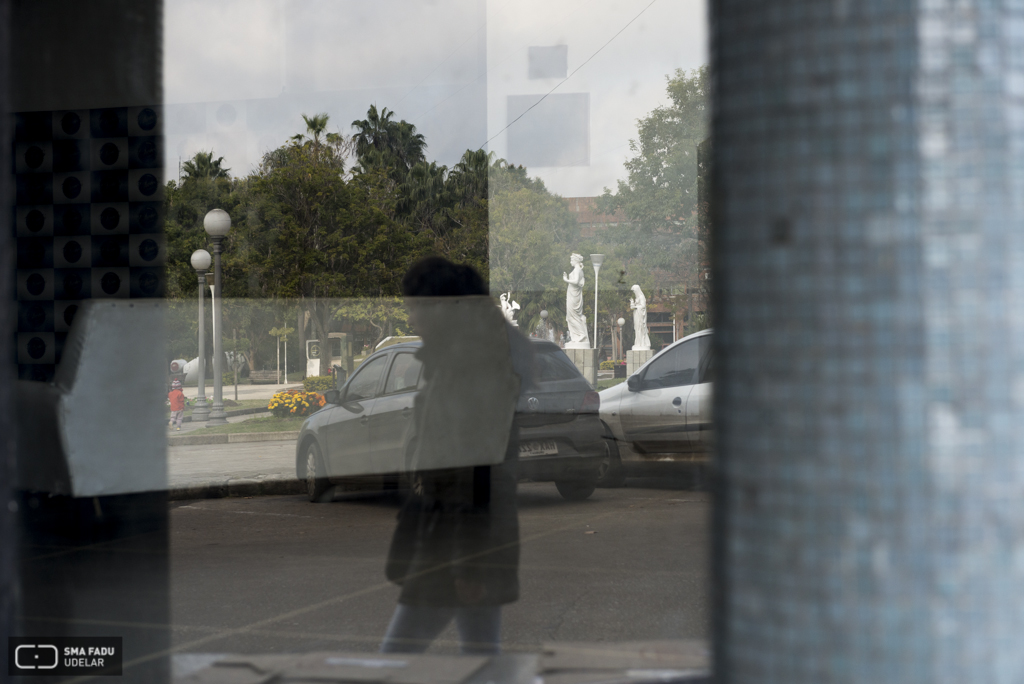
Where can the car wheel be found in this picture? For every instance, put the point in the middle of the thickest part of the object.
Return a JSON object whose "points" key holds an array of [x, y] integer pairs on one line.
{"points": [[316, 480], [610, 472], [575, 490]]}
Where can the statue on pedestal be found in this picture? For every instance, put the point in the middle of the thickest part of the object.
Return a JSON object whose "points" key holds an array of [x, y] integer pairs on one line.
{"points": [[574, 318], [638, 303], [509, 308]]}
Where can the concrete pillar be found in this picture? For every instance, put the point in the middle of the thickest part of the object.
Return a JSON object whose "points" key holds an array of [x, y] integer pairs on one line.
{"points": [[870, 319], [586, 361], [635, 359]]}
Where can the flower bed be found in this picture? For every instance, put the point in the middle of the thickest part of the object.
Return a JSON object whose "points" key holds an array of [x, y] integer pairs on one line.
{"points": [[295, 403]]}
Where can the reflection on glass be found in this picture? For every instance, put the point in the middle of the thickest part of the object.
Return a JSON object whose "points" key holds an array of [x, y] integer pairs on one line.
{"points": [[501, 137]]}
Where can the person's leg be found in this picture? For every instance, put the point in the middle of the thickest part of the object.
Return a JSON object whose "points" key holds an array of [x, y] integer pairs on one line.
{"points": [[479, 630], [413, 628], [179, 415]]}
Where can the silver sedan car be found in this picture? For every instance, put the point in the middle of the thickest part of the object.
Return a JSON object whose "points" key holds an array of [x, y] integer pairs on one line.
{"points": [[366, 428], [663, 411]]}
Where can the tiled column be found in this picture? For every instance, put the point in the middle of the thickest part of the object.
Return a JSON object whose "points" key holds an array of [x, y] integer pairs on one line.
{"points": [[870, 320]]}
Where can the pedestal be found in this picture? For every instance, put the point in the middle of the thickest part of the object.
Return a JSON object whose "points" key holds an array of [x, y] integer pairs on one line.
{"points": [[635, 359], [586, 361]]}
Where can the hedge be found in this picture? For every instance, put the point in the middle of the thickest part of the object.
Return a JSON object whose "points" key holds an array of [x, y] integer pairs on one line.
{"points": [[318, 383], [610, 365]]}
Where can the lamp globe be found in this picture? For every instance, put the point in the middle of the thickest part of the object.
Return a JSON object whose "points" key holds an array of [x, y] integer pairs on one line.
{"points": [[217, 223], [201, 260]]}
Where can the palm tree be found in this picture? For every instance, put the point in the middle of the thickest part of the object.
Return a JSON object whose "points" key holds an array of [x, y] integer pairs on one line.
{"points": [[329, 148], [203, 165], [382, 141]]}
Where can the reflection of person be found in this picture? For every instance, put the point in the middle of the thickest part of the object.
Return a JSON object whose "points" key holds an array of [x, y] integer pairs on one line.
{"points": [[455, 551], [177, 399], [638, 303], [574, 318]]}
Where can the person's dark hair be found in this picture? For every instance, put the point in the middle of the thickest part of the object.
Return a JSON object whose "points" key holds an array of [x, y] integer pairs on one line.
{"points": [[438, 277]]}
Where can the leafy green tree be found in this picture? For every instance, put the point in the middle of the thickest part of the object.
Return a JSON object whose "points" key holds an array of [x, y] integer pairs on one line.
{"points": [[660, 191], [385, 315], [660, 195], [307, 233]]}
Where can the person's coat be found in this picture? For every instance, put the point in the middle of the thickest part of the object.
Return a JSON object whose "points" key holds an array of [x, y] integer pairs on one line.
{"points": [[457, 540]]}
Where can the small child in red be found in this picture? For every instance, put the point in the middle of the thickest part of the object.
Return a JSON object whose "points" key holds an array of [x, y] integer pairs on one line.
{"points": [[177, 399]]}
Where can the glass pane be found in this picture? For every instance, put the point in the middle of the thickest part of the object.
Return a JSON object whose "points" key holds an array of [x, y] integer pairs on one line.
{"points": [[364, 384], [674, 368], [404, 374]]}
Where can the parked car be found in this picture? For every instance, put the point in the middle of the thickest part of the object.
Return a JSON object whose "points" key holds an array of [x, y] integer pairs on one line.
{"points": [[663, 410], [367, 426]]}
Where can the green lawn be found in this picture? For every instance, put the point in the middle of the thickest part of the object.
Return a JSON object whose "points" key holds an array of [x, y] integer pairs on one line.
{"points": [[610, 382], [264, 424]]}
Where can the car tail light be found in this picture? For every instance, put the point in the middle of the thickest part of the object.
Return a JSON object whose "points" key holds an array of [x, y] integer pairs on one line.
{"points": [[591, 402]]}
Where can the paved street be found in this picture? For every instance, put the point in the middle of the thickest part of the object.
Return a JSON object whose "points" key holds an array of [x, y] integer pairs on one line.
{"points": [[276, 573]]}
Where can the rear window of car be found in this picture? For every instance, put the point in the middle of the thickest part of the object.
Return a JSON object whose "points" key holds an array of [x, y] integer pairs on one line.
{"points": [[554, 365]]}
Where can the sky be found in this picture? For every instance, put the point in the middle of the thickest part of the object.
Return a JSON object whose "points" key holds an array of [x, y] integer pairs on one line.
{"points": [[238, 75]]}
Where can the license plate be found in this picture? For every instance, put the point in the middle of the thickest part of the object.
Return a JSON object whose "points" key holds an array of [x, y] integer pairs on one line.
{"points": [[544, 448]]}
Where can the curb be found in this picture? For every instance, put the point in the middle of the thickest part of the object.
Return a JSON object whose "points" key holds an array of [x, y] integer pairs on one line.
{"points": [[245, 486], [232, 438]]}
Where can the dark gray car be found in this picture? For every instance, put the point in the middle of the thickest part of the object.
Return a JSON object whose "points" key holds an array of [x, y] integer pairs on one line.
{"points": [[367, 430]]}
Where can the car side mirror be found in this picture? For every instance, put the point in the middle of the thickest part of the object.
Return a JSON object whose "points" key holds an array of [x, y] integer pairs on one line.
{"points": [[633, 383], [332, 396]]}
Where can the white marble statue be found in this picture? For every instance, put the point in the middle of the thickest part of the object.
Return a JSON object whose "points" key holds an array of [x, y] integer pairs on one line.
{"points": [[574, 318], [509, 308], [638, 303]]}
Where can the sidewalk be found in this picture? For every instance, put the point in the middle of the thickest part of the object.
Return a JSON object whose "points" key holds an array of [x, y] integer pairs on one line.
{"points": [[244, 391], [213, 471]]}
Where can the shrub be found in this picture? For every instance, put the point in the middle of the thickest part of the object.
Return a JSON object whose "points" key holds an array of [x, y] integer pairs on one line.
{"points": [[295, 403], [318, 383], [610, 365]]}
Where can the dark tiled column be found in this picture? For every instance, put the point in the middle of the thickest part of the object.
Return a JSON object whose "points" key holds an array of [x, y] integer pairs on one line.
{"points": [[87, 566]]}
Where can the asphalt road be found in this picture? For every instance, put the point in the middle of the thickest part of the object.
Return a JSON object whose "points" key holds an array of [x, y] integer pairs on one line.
{"points": [[279, 574]]}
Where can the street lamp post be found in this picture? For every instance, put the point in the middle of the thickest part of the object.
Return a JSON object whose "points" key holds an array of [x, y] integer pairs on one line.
{"points": [[201, 263], [217, 224], [622, 352], [596, 260]]}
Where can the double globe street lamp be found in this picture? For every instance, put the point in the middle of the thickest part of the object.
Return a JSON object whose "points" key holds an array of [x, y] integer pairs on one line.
{"points": [[217, 224], [201, 263]]}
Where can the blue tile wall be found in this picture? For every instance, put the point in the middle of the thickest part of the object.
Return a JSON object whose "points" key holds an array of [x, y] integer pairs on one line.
{"points": [[869, 170]]}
